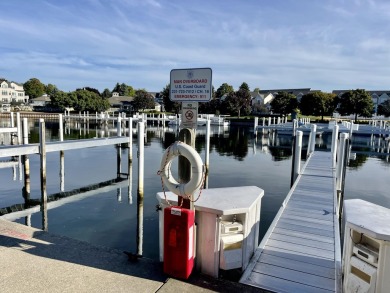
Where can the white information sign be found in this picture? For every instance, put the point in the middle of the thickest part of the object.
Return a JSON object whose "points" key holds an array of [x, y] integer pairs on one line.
{"points": [[191, 85], [189, 114]]}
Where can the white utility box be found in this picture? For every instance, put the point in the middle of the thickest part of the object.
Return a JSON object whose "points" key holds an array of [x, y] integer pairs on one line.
{"points": [[366, 253], [227, 231]]}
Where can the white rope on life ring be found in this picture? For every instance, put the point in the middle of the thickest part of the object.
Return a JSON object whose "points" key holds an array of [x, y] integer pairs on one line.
{"points": [[182, 149]]}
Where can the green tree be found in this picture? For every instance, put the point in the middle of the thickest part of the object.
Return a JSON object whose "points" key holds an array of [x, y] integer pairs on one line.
{"points": [[143, 100], [237, 103], [317, 104], [34, 88], [256, 90], [106, 93], [357, 102], [223, 89], [384, 108], [61, 100], [124, 90], [51, 89], [169, 106], [284, 103], [244, 86]]}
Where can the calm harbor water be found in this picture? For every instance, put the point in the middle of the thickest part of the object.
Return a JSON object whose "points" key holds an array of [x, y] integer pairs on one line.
{"points": [[109, 218]]}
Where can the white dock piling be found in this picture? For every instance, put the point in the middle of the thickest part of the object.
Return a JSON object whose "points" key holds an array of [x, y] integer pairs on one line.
{"points": [[140, 191], [130, 152], [42, 151], [207, 150], [297, 155], [333, 149], [312, 140], [340, 160]]}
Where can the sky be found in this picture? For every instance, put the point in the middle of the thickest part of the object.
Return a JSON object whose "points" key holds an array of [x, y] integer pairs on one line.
{"points": [[269, 44]]}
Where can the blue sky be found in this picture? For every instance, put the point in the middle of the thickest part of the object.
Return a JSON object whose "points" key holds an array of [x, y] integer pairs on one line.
{"points": [[321, 44]]}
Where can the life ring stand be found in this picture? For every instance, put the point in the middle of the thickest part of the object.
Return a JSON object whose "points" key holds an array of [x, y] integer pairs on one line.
{"points": [[186, 190]]}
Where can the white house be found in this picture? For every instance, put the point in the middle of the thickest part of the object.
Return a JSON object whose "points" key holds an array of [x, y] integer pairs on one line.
{"points": [[12, 92]]}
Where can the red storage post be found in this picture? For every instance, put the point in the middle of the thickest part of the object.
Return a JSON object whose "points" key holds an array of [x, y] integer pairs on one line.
{"points": [[178, 242]]}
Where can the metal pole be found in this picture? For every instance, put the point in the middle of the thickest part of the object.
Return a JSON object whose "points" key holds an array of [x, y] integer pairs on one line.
{"points": [[42, 152], [207, 150], [140, 190], [297, 156]]}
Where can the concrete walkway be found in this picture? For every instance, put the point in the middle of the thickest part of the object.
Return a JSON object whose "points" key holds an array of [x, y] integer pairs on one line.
{"points": [[32, 260]]}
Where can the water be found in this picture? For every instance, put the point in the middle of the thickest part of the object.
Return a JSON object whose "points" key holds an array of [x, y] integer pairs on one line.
{"points": [[109, 218]]}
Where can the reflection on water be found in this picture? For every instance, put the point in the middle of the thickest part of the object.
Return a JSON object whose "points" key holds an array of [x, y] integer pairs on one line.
{"points": [[102, 215]]}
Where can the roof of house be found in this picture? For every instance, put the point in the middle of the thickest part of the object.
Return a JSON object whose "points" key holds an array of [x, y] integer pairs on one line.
{"points": [[43, 98], [119, 100], [291, 91], [379, 93]]}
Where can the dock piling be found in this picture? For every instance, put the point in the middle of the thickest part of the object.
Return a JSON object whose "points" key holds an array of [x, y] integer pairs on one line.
{"points": [[140, 190], [297, 154], [42, 152]]}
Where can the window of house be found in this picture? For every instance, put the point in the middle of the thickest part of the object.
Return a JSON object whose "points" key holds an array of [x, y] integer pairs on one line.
{"points": [[4, 93]]}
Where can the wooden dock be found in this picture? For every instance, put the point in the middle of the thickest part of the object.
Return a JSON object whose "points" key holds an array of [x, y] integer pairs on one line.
{"points": [[301, 250]]}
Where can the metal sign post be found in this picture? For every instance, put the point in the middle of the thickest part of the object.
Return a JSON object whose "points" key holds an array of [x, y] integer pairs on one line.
{"points": [[189, 86]]}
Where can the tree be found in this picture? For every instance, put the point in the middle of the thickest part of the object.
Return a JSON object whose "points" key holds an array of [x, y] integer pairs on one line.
{"points": [[238, 102], [256, 90], [169, 106], [143, 100], [244, 86], [51, 89], [90, 89], [34, 88], [124, 90], [317, 104], [106, 93], [223, 89], [284, 103], [384, 108], [61, 100], [357, 102]]}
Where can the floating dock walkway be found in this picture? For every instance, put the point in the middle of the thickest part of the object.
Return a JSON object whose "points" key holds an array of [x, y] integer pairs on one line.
{"points": [[301, 250]]}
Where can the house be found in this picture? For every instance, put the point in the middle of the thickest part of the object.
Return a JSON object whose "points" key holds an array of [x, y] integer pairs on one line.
{"points": [[299, 93], [378, 97], [41, 101], [120, 103], [12, 92]]}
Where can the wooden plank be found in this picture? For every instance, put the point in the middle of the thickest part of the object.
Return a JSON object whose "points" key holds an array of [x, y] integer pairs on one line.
{"points": [[315, 214], [315, 231], [303, 219], [316, 282], [328, 210], [322, 262], [306, 224], [302, 250], [296, 265], [280, 285], [305, 235], [302, 241]]}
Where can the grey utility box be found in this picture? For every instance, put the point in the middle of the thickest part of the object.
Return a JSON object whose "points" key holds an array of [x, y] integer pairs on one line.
{"points": [[366, 253], [227, 231]]}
